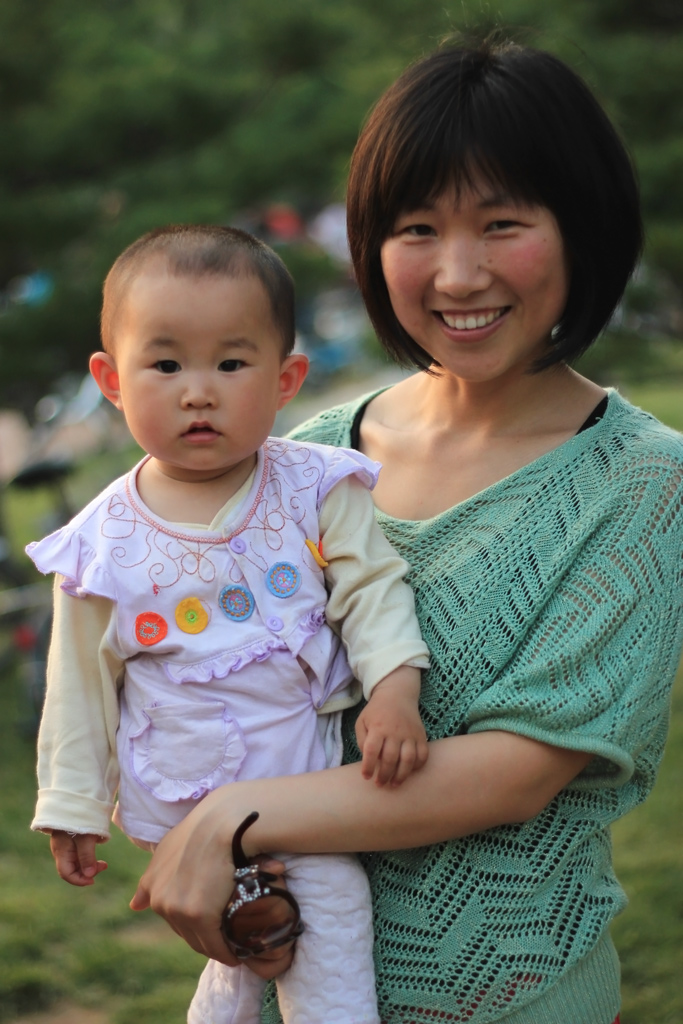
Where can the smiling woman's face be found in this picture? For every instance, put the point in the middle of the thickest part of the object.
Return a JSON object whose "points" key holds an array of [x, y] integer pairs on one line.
{"points": [[478, 281]]}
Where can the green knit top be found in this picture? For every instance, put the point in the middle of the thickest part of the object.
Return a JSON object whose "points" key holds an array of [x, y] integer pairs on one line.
{"points": [[552, 604]]}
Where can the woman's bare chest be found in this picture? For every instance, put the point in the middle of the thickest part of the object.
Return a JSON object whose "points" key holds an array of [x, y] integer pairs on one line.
{"points": [[422, 478]]}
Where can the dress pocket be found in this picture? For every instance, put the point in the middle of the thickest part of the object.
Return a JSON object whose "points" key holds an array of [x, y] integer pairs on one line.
{"points": [[185, 750]]}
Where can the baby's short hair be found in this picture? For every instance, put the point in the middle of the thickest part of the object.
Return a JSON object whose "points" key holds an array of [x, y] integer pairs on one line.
{"points": [[199, 250]]}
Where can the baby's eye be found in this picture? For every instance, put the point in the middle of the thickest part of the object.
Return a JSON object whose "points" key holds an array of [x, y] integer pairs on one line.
{"points": [[230, 365], [167, 366]]}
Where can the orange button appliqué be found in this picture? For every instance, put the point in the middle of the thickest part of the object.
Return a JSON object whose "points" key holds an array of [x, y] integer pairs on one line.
{"points": [[191, 616], [150, 628]]}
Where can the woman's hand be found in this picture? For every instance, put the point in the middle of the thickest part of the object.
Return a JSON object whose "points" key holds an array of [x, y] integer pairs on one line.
{"points": [[189, 881]]}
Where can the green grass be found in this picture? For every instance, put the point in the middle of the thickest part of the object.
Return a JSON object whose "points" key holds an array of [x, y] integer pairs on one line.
{"points": [[84, 946], [648, 857]]}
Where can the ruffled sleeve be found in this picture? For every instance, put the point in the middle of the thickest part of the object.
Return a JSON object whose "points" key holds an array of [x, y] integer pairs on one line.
{"points": [[346, 462], [68, 553]]}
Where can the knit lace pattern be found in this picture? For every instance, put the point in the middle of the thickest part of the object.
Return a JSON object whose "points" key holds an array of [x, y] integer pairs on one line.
{"points": [[552, 604]]}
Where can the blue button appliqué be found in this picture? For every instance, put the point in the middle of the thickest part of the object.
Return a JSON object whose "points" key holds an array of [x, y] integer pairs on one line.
{"points": [[283, 579], [236, 602]]}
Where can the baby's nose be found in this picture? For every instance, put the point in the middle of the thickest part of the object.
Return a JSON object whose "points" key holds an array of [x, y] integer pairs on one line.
{"points": [[198, 393]]}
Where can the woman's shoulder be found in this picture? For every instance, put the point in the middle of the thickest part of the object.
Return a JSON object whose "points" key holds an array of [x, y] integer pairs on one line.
{"points": [[644, 436], [633, 470], [333, 426]]}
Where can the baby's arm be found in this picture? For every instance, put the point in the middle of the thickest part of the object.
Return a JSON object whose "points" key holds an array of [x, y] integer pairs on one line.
{"points": [[77, 766], [374, 610], [389, 729], [75, 857]]}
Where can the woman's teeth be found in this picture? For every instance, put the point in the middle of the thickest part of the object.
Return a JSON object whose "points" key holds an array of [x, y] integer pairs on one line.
{"points": [[469, 323]]}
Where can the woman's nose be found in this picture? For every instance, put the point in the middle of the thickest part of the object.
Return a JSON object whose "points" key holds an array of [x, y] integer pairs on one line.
{"points": [[462, 267]]}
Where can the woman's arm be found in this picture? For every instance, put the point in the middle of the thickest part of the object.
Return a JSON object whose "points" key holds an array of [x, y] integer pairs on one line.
{"points": [[470, 783]]}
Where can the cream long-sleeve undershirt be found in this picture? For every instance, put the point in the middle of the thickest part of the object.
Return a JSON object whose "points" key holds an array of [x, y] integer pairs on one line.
{"points": [[369, 605]]}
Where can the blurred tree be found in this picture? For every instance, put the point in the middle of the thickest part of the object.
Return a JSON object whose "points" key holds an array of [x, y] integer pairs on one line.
{"points": [[117, 116]]}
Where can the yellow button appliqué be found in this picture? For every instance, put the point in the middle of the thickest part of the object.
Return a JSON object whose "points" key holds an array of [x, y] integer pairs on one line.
{"points": [[191, 616]]}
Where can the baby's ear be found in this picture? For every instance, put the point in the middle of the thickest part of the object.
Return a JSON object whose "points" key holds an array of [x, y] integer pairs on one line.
{"points": [[103, 369], [292, 375]]}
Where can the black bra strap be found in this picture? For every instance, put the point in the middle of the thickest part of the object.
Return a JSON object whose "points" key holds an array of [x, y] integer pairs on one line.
{"points": [[357, 420], [594, 417]]}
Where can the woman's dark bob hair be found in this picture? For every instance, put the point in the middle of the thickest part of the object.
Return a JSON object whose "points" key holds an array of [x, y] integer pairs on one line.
{"points": [[521, 121]]}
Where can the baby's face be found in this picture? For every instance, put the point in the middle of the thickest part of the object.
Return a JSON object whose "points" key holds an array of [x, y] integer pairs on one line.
{"points": [[200, 369]]}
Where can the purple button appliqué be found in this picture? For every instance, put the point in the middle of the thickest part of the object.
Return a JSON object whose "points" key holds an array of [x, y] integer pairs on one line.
{"points": [[274, 623], [237, 545]]}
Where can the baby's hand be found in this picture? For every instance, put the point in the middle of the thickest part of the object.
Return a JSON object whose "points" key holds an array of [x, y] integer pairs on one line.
{"points": [[389, 729], [75, 857]]}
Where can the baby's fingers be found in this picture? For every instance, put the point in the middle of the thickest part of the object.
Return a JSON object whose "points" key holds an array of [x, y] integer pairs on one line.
{"points": [[75, 858], [372, 747], [388, 762], [421, 754], [86, 851], [407, 762]]}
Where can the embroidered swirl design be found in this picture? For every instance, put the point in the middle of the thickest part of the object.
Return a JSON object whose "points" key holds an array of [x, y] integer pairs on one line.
{"points": [[168, 555]]}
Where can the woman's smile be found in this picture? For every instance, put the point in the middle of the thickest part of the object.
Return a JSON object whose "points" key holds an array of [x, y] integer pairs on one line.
{"points": [[471, 320], [470, 326]]}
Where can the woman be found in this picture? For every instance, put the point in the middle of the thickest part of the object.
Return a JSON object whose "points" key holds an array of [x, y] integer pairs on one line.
{"points": [[494, 223]]}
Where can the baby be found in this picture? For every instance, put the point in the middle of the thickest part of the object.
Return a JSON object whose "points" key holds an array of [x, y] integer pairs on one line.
{"points": [[215, 606]]}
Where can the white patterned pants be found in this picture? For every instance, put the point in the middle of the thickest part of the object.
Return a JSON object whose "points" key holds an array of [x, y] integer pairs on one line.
{"points": [[332, 978]]}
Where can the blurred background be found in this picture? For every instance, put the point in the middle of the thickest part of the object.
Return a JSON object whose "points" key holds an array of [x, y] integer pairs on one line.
{"points": [[117, 116]]}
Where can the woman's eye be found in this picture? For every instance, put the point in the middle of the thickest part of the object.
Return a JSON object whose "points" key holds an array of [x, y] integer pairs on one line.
{"points": [[418, 230], [501, 225], [167, 366], [230, 365]]}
